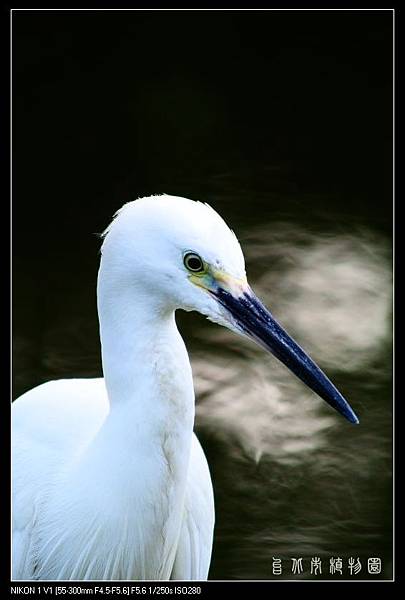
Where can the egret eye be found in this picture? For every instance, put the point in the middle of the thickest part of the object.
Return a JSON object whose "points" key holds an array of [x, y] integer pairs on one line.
{"points": [[193, 262]]}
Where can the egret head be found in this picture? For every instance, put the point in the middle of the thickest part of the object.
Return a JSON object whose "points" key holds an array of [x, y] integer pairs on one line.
{"points": [[177, 253]]}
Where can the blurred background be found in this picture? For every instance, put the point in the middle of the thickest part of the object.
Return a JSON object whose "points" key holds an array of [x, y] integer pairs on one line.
{"points": [[282, 121]]}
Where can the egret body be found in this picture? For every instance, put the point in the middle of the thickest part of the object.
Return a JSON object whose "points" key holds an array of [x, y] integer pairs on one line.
{"points": [[109, 480]]}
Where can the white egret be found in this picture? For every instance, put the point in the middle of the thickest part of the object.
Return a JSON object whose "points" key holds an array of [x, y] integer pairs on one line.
{"points": [[109, 481]]}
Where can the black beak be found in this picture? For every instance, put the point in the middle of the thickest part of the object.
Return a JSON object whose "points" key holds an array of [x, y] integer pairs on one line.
{"points": [[253, 319]]}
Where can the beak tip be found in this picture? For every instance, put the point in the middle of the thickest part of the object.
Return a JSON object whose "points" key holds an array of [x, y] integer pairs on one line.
{"points": [[351, 416]]}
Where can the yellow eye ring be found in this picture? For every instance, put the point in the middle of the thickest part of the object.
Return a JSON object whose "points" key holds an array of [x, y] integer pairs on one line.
{"points": [[193, 262]]}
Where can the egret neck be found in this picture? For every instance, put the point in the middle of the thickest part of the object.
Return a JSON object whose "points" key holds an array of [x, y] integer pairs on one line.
{"points": [[137, 464]]}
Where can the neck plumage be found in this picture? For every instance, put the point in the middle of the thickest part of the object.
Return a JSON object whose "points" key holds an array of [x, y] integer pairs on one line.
{"points": [[128, 485], [143, 355], [145, 363]]}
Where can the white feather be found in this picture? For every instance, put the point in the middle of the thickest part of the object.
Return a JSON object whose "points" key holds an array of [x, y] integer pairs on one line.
{"points": [[109, 481]]}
